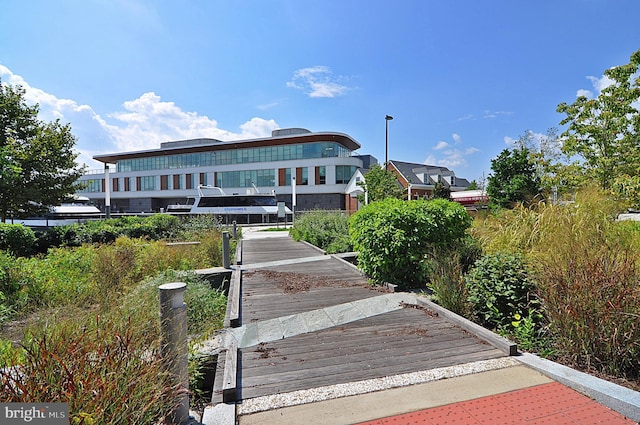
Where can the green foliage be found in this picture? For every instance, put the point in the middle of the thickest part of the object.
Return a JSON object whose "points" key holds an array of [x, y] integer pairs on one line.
{"points": [[586, 271], [74, 360], [325, 229], [380, 184], [526, 331], [604, 131], [447, 269], [90, 274], [441, 191], [37, 159], [514, 179], [393, 237], [500, 287], [154, 227], [17, 239]]}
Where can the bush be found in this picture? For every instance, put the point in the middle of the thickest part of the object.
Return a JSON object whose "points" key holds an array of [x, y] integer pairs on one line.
{"points": [[500, 287], [447, 269], [325, 229], [393, 237], [17, 239]]}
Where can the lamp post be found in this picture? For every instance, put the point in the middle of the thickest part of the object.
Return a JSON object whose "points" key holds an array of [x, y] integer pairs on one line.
{"points": [[386, 140]]}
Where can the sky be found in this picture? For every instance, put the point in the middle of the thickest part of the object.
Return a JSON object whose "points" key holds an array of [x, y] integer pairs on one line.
{"points": [[462, 79]]}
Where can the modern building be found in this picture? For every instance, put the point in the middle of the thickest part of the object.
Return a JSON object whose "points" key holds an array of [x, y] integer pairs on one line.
{"points": [[320, 163]]}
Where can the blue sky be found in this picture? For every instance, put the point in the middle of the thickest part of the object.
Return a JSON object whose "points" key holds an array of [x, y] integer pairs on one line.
{"points": [[462, 78]]}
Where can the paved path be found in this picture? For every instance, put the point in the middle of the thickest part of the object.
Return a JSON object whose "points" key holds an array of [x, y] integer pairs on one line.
{"points": [[338, 352]]}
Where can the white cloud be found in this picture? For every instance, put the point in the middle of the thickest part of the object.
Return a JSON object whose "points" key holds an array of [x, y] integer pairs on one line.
{"points": [[494, 114], [449, 156], [509, 141], [586, 93], [441, 145], [318, 81], [598, 85], [143, 123], [467, 117]]}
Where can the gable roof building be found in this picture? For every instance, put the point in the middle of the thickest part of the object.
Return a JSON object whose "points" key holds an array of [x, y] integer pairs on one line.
{"points": [[420, 179]]}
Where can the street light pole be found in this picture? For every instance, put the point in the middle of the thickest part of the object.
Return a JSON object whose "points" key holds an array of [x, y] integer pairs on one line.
{"points": [[386, 140]]}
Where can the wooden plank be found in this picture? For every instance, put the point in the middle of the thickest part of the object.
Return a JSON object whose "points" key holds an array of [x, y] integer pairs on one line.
{"points": [[401, 341], [285, 384], [232, 314], [229, 382], [508, 347]]}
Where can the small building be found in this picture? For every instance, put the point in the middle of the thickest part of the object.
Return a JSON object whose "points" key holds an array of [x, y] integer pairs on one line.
{"points": [[420, 180]]}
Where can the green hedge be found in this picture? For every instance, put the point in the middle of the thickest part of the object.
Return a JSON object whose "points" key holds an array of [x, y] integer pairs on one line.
{"points": [[17, 239], [393, 237]]}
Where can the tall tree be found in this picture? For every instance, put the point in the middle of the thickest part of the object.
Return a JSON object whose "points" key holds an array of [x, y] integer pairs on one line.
{"points": [[514, 178], [37, 161], [380, 184], [604, 131]]}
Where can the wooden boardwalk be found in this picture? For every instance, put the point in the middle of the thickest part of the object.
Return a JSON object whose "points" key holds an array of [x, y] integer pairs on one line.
{"points": [[401, 341]]}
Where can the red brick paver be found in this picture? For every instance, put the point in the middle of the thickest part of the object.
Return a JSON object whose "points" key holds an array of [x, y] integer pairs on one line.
{"points": [[548, 404]]}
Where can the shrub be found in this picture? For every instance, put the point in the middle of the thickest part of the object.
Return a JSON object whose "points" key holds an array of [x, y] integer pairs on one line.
{"points": [[393, 237], [325, 229], [500, 287], [17, 239], [447, 269]]}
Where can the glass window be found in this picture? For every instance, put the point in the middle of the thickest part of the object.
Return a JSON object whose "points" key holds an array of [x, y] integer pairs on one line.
{"points": [[236, 156], [147, 183], [321, 175], [344, 173]]}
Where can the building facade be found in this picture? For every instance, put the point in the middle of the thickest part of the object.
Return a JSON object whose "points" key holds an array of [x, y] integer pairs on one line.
{"points": [[321, 164], [420, 180]]}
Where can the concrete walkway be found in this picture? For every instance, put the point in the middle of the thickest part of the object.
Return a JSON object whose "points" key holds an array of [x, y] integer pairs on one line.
{"points": [[404, 398]]}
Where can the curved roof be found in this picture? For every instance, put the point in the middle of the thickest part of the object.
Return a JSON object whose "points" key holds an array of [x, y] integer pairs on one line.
{"points": [[205, 145]]}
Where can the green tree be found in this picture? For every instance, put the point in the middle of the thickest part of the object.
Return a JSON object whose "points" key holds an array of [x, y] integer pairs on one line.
{"points": [[441, 191], [603, 131], [37, 161], [380, 184], [514, 178]]}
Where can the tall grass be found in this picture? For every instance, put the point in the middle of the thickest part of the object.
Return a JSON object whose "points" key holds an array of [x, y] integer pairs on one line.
{"points": [[96, 342], [587, 271], [107, 370]]}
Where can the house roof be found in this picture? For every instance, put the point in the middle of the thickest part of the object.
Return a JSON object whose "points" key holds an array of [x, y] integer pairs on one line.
{"points": [[410, 171]]}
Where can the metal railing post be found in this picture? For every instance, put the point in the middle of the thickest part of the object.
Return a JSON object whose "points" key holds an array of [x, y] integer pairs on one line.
{"points": [[175, 349], [226, 254]]}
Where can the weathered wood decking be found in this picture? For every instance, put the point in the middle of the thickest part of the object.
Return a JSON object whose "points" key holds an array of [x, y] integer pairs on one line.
{"points": [[400, 341]]}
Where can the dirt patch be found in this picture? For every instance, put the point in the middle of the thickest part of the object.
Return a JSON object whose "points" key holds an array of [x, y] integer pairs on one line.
{"points": [[426, 310], [265, 352], [292, 283]]}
